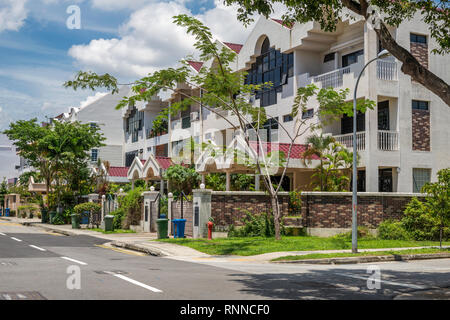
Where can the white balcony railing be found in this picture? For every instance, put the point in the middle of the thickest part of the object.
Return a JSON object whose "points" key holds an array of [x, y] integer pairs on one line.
{"points": [[387, 70], [332, 79], [347, 140], [387, 140]]}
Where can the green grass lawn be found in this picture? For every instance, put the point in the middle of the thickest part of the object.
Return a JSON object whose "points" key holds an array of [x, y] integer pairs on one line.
{"points": [[115, 231], [378, 253], [257, 245]]}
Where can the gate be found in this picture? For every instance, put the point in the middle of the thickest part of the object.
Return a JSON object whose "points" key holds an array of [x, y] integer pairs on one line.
{"points": [[183, 209]]}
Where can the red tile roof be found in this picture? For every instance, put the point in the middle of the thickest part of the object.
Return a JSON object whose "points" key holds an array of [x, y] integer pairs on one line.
{"points": [[164, 162], [118, 171], [289, 26], [143, 161], [234, 46], [296, 152], [195, 64]]}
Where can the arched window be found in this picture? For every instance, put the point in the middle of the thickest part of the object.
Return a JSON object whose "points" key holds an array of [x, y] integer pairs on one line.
{"points": [[265, 46]]}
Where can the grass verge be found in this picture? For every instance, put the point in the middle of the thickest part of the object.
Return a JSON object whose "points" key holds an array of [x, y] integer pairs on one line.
{"points": [[259, 245], [360, 254], [115, 231]]}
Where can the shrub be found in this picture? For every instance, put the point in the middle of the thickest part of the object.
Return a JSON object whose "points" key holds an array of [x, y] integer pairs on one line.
{"points": [[255, 225], [87, 206], [363, 232], [119, 214], [419, 223], [392, 230], [295, 202]]}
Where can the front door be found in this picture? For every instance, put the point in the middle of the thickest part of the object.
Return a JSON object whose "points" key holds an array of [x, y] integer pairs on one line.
{"points": [[385, 180], [383, 115]]}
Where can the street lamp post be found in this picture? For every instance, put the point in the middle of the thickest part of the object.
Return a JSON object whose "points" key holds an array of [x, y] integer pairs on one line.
{"points": [[382, 54]]}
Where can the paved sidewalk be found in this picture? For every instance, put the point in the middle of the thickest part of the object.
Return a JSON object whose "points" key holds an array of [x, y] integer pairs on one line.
{"points": [[142, 242]]}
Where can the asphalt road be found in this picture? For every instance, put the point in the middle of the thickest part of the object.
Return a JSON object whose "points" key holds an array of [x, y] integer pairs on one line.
{"points": [[39, 265]]}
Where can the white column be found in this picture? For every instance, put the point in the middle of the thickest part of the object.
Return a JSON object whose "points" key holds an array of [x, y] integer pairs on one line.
{"points": [[257, 182], [169, 211], [228, 175]]}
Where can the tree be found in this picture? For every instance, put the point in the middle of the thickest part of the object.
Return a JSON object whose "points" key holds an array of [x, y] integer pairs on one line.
{"points": [[182, 179], [439, 199], [223, 89], [319, 146], [328, 12], [59, 151], [3, 192]]}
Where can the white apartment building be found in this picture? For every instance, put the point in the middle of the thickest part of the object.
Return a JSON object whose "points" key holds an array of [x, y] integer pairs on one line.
{"points": [[102, 113], [403, 142]]}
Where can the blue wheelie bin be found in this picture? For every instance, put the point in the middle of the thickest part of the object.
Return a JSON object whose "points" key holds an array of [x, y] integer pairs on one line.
{"points": [[1, 212], [7, 212], [179, 229]]}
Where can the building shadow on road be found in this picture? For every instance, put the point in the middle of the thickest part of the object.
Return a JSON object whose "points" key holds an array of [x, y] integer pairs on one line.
{"points": [[340, 283]]}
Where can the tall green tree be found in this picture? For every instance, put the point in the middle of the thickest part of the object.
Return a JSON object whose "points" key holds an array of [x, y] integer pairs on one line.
{"points": [[380, 14], [224, 90], [3, 193], [438, 201], [55, 151]]}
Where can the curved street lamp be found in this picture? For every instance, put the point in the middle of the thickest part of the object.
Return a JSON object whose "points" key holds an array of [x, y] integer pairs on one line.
{"points": [[380, 55]]}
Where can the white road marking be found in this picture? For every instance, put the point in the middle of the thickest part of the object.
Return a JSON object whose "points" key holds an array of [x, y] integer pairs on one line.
{"points": [[76, 261], [7, 297], [2, 234], [135, 282], [21, 296], [16, 239], [413, 286], [37, 248]]}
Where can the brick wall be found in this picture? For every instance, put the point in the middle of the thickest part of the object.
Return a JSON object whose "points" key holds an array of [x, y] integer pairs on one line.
{"points": [[421, 130], [229, 207], [420, 52], [334, 210]]}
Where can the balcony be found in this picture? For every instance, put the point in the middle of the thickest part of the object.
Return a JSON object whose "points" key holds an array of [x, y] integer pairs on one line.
{"points": [[388, 140], [347, 140], [387, 70], [333, 79]]}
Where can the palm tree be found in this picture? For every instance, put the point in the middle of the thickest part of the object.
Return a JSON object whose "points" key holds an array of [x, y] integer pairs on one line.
{"points": [[318, 147]]}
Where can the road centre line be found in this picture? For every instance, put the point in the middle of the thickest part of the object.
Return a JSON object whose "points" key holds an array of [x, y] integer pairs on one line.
{"points": [[413, 286], [140, 284], [18, 240], [76, 261], [35, 247]]}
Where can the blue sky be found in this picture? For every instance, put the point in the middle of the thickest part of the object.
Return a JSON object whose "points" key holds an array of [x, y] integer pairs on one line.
{"points": [[126, 38]]}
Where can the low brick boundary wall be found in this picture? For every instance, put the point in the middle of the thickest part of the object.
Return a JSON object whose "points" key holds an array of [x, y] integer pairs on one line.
{"points": [[229, 207], [334, 209]]}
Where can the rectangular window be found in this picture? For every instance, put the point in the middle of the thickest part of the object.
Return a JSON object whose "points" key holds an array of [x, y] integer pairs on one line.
{"points": [[328, 57], [417, 38], [351, 58], [420, 178], [94, 155], [308, 114], [287, 118], [420, 105]]}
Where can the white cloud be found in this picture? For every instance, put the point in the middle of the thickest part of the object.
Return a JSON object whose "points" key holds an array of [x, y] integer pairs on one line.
{"points": [[12, 14], [92, 99], [111, 5], [150, 41]]}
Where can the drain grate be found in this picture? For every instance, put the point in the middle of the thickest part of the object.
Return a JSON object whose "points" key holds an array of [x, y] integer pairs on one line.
{"points": [[33, 295]]}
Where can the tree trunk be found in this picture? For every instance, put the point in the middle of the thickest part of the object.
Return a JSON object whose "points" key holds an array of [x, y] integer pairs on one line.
{"points": [[412, 67], [276, 216], [440, 235]]}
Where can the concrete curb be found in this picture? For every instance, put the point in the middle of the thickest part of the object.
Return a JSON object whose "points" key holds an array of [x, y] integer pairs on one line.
{"points": [[63, 232], [369, 259], [135, 247]]}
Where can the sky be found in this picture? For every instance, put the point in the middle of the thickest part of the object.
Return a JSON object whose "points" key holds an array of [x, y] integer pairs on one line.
{"points": [[128, 39]]}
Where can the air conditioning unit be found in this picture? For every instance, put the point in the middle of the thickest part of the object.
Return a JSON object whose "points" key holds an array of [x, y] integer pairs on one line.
{"points": [[194, 116]]}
